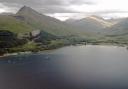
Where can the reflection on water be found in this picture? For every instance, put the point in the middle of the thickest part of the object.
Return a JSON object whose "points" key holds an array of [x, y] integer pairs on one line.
{"points": [[74, 67]]}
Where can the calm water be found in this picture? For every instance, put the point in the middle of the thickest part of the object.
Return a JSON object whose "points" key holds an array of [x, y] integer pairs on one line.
{"points": [[73, 67]]}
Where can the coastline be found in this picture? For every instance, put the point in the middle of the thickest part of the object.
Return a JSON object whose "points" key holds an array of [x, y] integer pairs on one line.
{"points": [[15, 54], [30, 52]]}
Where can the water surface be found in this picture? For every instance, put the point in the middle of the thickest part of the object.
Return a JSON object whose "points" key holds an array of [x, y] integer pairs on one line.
{"points": [[73, 67]]}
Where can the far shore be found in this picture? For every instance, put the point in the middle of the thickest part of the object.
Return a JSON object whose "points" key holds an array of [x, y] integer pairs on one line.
{"points": [[15, 54], [29, 52]]}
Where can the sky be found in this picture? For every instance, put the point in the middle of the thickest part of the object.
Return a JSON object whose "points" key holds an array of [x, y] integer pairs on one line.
{"points": [[65, 9]]}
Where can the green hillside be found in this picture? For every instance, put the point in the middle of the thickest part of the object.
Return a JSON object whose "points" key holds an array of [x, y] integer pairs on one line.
{"points": [[92, 24], [26, 23], [41, 22], [12, 24]]}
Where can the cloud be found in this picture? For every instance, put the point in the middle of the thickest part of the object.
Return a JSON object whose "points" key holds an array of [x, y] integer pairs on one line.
{"points": [[47, 6], [81, 2], [76, 8]]}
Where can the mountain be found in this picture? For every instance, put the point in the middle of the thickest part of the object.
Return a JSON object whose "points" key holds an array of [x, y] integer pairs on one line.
{"points": [[27, 20], [71, 21], [118, 33], [121, 28], [5, 13], [92, 24], [115, 20], [42, 22], [10, 23], [28, 30]]}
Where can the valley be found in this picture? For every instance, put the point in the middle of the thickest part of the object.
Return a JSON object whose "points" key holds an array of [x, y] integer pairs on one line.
{"points": [[28, 30]]}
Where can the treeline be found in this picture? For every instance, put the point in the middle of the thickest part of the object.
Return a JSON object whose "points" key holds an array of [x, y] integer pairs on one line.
{"points": [[11, 42]]}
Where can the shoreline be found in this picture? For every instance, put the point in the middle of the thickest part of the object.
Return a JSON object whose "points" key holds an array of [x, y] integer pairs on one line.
{"points": [[15, 54], [29, 52]]}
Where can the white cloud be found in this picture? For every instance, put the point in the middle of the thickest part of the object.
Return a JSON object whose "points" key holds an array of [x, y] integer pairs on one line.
{"points": [[64, 9], [101, 5], [2, 8], [65, 16], [104, 8], [61, 16]]}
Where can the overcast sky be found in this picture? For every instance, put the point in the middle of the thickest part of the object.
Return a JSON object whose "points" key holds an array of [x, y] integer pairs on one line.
{"points": [[64, 9]]}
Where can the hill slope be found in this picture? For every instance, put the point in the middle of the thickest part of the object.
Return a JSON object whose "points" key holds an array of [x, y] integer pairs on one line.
{"points": [[41, 22], [92, 24], [10, 23], [119, 29], [27, 20]]}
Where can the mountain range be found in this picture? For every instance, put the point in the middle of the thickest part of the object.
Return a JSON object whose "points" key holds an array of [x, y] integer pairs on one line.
{"points": [[91, 24], [27, 20]]}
